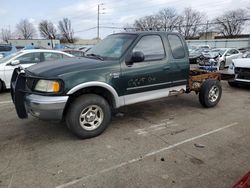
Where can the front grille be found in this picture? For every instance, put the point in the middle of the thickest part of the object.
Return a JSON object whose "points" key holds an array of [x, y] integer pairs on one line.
{"points": [[243, 73]]}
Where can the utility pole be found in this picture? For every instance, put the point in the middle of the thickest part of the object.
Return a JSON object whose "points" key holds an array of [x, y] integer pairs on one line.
{"points": [[98, 19]]}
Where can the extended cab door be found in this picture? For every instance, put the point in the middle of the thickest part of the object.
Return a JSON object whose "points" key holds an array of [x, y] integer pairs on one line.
{"points": [[179, 61], [151, 78]]}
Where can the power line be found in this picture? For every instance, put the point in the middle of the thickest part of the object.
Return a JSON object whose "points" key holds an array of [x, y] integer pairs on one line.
{"points": [[148, 28], [176, 26]]}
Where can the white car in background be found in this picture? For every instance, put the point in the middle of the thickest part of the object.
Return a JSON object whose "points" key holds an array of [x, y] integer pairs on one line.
{"points": [[226, 56], [25, 58], [241, 69]]}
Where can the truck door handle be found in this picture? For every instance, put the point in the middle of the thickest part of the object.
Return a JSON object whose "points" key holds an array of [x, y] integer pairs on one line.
{"points": [[166, 68]]}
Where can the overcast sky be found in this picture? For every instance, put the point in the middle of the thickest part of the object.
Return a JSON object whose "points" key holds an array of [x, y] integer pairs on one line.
{"points": [[83, 13]]}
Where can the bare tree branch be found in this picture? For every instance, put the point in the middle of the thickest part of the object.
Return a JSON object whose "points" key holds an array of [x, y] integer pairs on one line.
{"points": [[5, 35], [25, 29], [66, 31], [47, 29], [168, 18], [231, 22], [190, 22], [148, 23]]}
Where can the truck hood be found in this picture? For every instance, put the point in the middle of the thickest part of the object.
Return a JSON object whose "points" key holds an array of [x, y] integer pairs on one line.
{"points": [[64, 66], [242, 62]]}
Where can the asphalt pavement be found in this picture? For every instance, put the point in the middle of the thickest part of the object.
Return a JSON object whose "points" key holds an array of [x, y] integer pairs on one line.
{"points": [[172, 142]]}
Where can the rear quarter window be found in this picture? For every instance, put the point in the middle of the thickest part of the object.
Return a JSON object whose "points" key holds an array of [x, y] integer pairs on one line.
{"points": [[177, 48]]}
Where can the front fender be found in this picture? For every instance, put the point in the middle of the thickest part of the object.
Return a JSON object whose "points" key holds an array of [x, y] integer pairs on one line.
{"points": [[119, 101]]}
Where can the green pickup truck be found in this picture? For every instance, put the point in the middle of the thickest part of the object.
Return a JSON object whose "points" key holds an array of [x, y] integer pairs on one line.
{"points": [[122, 69]]}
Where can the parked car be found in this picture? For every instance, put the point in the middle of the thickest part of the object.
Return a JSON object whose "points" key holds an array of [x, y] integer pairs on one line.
{"points": [[77, 53], [226, 56], [6, 49], [25, 58], [246, 54], [241, 69], [196, 55], [122, 69]]}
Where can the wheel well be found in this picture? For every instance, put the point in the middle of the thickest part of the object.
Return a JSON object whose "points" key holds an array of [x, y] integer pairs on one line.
{"points": [[94, 90]]}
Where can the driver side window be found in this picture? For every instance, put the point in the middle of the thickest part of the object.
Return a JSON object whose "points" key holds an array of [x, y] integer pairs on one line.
{"points": [[151, 46]]}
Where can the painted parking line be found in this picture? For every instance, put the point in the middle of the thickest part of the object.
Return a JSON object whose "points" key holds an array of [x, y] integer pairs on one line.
{"points": [[146, 155], [156, 127], [5, 102]]}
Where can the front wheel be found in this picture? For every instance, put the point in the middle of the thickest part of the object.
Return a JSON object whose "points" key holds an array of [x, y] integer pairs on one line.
{"points": [[88, 116], [210, 93]]}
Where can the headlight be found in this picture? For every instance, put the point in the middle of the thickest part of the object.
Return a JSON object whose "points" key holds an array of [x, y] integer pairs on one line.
{"points": [[50, 86]]}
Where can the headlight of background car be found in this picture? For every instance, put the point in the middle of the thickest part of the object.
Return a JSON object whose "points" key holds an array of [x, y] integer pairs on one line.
{"points": [[50, 86]]}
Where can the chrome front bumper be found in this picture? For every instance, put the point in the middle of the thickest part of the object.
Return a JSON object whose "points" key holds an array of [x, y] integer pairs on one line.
{"points": [[46, 107]]}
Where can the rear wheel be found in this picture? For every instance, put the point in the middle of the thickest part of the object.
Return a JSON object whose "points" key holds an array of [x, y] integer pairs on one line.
{"points": [[210, 93], [88, 116]]}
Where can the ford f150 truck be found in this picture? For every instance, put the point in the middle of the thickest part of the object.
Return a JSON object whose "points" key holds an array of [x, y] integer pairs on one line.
{"points": [[122, 69]]}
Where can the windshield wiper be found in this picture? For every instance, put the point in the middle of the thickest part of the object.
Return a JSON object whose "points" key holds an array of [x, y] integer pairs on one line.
{"points": [[96, 56]]}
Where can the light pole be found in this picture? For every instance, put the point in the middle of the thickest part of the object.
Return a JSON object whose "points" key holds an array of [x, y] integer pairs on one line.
{"points": [[98, 18]]}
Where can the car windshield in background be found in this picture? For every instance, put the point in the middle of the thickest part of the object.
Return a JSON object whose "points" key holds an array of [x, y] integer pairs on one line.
{"points": [[5, 48], [112, 47], [218, 51]]}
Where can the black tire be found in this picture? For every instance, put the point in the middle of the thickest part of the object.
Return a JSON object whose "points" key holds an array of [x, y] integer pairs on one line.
{"points": [[76, 109], [222, 65], [1, 86], [206, 88], [232, 84]]}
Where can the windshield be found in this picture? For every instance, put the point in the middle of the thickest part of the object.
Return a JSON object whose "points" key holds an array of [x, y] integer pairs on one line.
{"points": [[113, 46], [218, 51], [7, 58]]}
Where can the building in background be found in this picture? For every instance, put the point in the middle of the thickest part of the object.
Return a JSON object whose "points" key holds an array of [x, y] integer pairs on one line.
{"points": [[35, 43], [208, 35]]}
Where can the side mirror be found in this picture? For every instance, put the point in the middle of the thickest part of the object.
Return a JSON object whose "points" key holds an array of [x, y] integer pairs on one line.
{"points": [[15, 62], [227, 54], [136, 57]]}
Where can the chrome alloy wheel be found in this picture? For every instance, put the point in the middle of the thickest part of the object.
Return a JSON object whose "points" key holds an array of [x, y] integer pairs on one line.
{"points": [[91, 117], [213, 94]]}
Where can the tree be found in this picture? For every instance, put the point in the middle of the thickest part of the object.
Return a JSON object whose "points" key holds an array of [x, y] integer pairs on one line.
{"points": [[190, 23], [67, 33], [47, 29], [231, 22], [5, 35], [25, 29], [147, 23], [168, 18]]}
